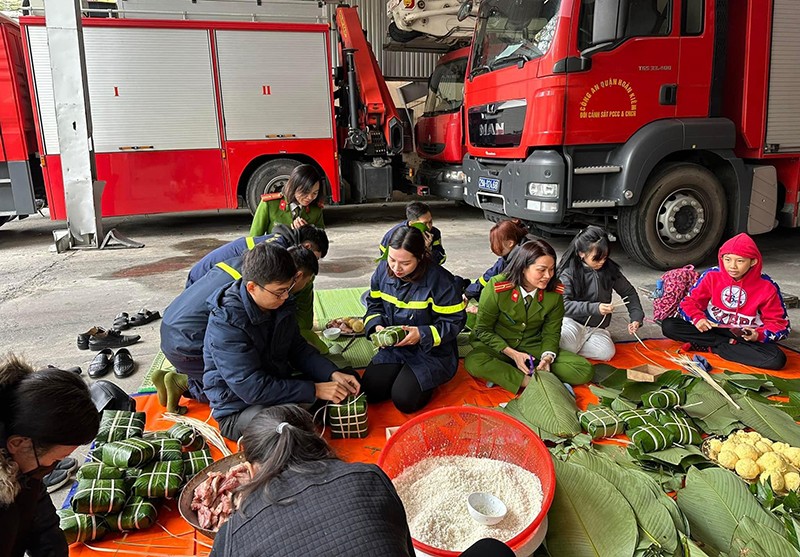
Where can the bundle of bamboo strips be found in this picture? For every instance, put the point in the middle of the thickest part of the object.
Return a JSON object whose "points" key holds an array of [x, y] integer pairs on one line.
{"points": [[697, 370]]}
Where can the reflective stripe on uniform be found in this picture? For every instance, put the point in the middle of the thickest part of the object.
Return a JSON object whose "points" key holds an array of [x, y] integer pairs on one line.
{"points": [[483, 281], [383, 248], [230, 270], [436, 243], [447, 310], [370, 318], [251, 242], [437, 340]]}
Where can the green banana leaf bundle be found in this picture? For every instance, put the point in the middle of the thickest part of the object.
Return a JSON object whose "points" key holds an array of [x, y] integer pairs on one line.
{"points": [[167, 449], [128, 453], [98, 471], [664, 398], [188, 436], [348, 419], [638, 417], [116, 425], [156, 435], [601, 422], [99, 496], [161, 479], [195, 461], [79, 528], [649, 438], [684, 432], [388, 336], [138, 514]]}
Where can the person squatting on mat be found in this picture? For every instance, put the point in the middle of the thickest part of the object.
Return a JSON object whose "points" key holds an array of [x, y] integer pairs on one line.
{"points": [[44, 416], [590, 276], [299, 203], [304, 501], [518, 328], [409, 290], [253, 347], [734, 310], [183, 326]]}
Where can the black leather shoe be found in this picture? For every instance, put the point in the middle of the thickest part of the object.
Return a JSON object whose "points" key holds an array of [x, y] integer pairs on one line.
{"points": [[101, 364], [123, 364], [111, 339], [83, 338]]}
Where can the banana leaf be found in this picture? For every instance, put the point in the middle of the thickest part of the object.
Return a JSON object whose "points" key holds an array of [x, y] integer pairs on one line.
{"points": [[188, 436], [605, 372], [690, 549], [670, 379], [589, 517], [601, 422], [116, 425], [547, 408], [98, 471], [710, 410], [663, 398], [162, 479], [621, 405], [756, 540], [388, 336], [715, 501], [768, 421], [128, 453], [167, 449], [196, 461], [99, 496], [682, 427], [138, 514], [79, 528], [657, 531], [639, 417], [649, 438]]}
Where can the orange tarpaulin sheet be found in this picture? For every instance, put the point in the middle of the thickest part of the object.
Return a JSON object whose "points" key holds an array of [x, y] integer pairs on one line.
{"points": [[463, 389]]}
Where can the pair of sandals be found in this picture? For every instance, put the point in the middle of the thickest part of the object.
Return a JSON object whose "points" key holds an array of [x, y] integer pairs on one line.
{"points": [[105, 361], [125, 321]]}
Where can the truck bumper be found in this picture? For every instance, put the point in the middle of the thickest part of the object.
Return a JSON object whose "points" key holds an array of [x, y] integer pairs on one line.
{"points": [[533, 190], [442, 180]]}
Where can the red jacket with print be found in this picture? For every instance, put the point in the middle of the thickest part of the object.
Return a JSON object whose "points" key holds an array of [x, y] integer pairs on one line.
{"points": [[753, 302]]}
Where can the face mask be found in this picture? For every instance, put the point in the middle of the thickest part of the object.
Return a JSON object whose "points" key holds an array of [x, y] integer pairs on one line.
{"points": [[40, 471]]}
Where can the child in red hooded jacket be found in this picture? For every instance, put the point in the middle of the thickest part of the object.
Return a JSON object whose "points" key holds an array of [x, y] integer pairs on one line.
{"points": [[733, 310]]}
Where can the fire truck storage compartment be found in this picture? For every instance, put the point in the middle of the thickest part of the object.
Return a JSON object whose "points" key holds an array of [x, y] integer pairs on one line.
{"points": [[147, 88], [367, 181], [783, 109], [276, 96]]}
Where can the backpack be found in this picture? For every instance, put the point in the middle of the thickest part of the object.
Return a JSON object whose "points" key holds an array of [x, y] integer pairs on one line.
{"points": [[671, 289]]}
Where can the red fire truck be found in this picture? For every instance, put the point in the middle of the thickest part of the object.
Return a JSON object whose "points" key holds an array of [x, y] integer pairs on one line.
{"points": [[440, 129], [673, 124], [196, 114]]}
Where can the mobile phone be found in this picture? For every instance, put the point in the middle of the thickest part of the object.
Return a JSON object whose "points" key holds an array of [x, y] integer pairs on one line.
{"points": [[739, 332]]}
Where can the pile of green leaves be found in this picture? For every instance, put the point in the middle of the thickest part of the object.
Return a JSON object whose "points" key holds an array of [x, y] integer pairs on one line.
{"points": [[547, 408], [725, 517], [623, 513]]}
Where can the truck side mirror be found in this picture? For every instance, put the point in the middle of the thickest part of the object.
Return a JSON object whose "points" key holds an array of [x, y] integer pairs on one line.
{"points": [[465, 10], [610, 19]]}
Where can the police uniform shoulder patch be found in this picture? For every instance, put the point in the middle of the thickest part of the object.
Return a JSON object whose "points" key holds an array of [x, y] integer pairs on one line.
{"points": [[503, 286], [271, 196], [559, 289]]}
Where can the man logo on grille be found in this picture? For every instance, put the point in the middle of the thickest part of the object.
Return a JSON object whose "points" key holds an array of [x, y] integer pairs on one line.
{"points": [[733, 297]]}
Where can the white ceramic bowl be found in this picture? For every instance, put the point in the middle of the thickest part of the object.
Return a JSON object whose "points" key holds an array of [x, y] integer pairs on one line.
{"points": [[332, 333], [485, 508]]}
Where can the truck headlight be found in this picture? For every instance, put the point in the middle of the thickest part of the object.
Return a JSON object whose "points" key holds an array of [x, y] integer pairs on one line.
{"points": [[537, 189], [455, 176]]}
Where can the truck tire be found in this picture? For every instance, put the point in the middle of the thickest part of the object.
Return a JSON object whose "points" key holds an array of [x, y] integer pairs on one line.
{"points": [[270, 177], [679, 220], [4, 220], [401, 36]]}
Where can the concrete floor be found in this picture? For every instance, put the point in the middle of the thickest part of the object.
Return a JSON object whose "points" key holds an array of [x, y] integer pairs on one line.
{"points": [[46, 298]]}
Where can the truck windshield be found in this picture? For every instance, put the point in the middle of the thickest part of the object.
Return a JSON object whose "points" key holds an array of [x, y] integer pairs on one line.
{"points": [[446, 87], [513, 31]]}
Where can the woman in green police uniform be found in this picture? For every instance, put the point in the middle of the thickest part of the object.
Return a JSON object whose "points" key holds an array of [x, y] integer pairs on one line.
{"points": [[298, 204], [518, 326]]}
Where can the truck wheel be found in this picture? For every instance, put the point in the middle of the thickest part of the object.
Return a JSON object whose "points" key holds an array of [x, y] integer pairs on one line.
{"points": [[401, 36], [4, 220], [270, 177], [680, 218]]}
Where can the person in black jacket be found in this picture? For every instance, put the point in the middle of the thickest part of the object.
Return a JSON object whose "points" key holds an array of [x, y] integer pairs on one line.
{"points": [[253, 346], [304, 501], [44, 416], [590, 277]]}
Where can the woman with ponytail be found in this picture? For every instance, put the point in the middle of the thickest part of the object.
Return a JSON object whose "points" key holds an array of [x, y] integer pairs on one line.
{"points": [[504, 237], [305, 501], [44, 416]]}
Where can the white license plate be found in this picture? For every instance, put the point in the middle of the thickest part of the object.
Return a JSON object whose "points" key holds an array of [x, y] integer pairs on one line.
{"points": [[489, 184]]}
